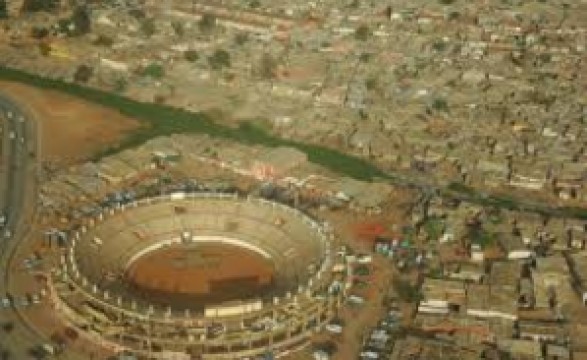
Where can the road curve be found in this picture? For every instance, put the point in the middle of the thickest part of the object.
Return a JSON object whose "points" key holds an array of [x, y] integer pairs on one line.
{"points": [[17, 184]]}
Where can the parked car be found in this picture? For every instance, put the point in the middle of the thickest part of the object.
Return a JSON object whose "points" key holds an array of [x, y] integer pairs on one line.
{"points": [[334, 328], [369, 355], [364, 259], [356, 300]]}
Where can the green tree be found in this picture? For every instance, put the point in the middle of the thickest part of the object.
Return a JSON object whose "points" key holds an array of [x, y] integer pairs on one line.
{"points": [[362, 33], [103, 40], [207, 22], [8, 327], [439, 46], [39, 32], [154, 71], [191, 55], [406, 291], [44, 49], [120, 85], [39, 5], [267, 66], [220, 59], [372, 83], [148, 27], [83, 74], [254, 4], [3, 10], [81, 21], [440, 104], [365, 57], [241, 38], [178, 28]]}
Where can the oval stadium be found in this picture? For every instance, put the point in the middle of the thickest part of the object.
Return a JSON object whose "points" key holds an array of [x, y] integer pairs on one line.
{"points": [[198, 275]]}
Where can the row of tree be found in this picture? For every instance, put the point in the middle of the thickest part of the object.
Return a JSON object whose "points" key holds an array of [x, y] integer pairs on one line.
{"points": [[39, 5]]}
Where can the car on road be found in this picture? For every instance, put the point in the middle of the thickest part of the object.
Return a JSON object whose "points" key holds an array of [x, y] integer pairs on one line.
{"points": [[2, 220], [6, 302], [28, 263], [12, 135], [36, 299], [7, 234]]}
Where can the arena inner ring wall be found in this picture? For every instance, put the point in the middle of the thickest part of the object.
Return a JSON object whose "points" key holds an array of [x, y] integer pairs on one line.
{"points": [[87, 288]]}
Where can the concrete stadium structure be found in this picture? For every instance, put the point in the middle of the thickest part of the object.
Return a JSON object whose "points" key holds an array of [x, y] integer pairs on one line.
{"points": [[89, 289]]}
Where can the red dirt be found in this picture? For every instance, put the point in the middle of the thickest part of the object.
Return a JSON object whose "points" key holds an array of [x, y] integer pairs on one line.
{"points": [[70, 129], [201, 273]]}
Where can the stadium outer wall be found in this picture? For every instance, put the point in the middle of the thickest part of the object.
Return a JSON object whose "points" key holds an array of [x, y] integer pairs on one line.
{"points": [[241, 329]]}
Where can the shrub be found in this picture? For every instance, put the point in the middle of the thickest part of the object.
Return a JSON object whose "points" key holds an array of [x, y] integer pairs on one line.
{"points": [[39, 5], [81, 21], [406, 291], [148, 27], [83, 74], [154, 71], [207, 22], [362, 33], [39, 32], [103, 40], [220, 59], [3, 10], [191, 55]]}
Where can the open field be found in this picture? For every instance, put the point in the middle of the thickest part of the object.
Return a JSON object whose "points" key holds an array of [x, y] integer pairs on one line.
{"points": [[70, 129]]}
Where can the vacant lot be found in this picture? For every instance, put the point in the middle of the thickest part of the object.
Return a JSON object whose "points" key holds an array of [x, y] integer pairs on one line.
{"points": [[70, 129]]}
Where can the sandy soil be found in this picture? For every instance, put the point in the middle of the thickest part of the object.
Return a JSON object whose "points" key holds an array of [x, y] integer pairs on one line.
{"points": [[200, 274], [70, 129]]}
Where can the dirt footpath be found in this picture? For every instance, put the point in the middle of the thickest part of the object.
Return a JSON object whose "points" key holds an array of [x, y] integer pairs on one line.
{"points": [[70, 129]]}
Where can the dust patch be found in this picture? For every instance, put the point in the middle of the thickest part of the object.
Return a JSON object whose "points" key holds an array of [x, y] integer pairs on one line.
{"points": [[71, 129]]}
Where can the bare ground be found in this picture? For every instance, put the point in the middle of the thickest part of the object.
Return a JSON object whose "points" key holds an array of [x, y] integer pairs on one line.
{"points": [[70, 129]]}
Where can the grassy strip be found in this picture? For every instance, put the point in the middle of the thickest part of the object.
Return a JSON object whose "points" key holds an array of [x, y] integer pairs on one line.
{"points": [[161, 120], [467, 193]]}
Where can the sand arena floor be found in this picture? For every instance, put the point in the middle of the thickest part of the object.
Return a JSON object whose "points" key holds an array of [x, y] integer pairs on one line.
{"points": [[190, 274]]}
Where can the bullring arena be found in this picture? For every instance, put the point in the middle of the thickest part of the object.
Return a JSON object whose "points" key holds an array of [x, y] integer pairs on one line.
{"points": [[199, 275]]}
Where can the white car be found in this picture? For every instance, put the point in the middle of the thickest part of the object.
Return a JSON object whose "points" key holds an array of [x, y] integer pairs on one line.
{"points": [[36, 299], [7, 234], [364, 259], [6, 302], [354, 299], [369, 355], [334, 328]]}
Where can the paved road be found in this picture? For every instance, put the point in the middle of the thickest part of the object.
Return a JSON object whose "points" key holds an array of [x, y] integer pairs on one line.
{"points": [[17, 187]]}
